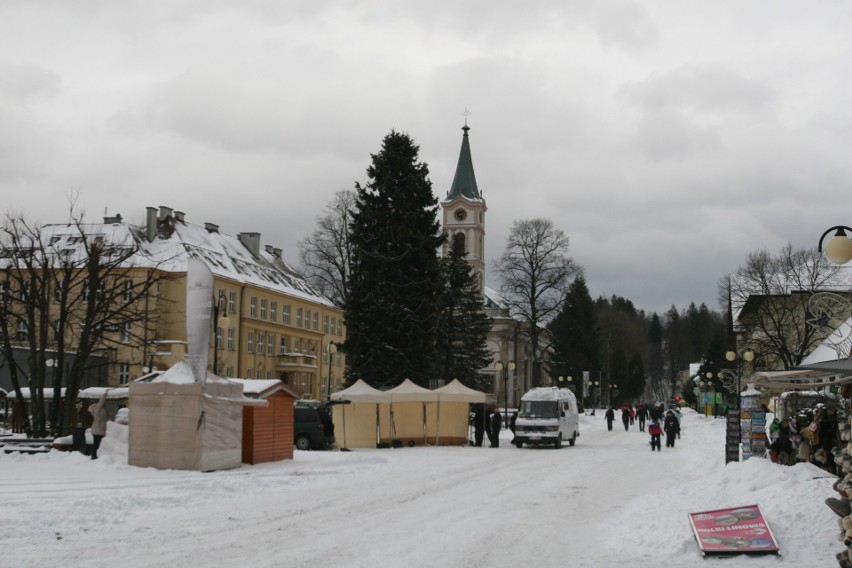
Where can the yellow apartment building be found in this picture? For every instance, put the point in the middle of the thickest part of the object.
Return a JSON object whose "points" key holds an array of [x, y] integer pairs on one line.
{"points": [[269, 322]]}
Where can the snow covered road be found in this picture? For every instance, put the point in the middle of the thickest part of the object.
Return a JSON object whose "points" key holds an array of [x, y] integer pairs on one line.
{"points": [[608, 501]]}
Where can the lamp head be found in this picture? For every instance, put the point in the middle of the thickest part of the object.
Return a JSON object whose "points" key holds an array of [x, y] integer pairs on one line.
{"points": [[839, 248]]}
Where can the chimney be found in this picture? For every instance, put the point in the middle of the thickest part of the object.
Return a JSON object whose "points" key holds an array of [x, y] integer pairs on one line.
{"points": [[276, 252], [179, 215], [211, 227], [165, 212], [268, 249], [116, 219], [251, 241], [151, 224]]}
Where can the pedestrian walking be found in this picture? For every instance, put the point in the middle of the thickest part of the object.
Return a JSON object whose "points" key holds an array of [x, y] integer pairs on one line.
{"points": [[625, 417], [479, 425], [496, 424], [642, 416], [610, 418], [98, 412], [655, 431], [671, 427], [632, 414]]}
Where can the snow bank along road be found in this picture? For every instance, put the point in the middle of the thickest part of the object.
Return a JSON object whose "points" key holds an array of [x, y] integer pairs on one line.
{"points": [[599, 503]]}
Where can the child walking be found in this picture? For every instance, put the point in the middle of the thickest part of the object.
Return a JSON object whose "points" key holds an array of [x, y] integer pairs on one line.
{"points": [[655, 431]]}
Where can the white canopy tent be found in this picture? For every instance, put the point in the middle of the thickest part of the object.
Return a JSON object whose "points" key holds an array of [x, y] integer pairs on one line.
{"points": [[408, 413], [452, 411], [359, 423]]}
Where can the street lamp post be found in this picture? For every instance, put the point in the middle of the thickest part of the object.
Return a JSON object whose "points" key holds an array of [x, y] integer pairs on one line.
{"points": [[747, 355], [504, 369], [613, 391], [332, 349], [709, 385], [596, 390], [221, 321]]}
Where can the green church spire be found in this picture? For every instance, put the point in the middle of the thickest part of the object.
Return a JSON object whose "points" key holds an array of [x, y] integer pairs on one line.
{"points": [[464, 182]]}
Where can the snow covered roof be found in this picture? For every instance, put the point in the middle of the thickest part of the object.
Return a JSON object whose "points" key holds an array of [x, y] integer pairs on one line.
{"points": [[176, 241], [262, 388]]}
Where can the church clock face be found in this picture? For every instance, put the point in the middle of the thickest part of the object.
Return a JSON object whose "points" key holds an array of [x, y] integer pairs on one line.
{"points": [[460, 214]]}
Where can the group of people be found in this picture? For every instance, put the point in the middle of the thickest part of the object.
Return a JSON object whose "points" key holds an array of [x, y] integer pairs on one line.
{"points": [[487, 421], [812, 443], [657, 414]]}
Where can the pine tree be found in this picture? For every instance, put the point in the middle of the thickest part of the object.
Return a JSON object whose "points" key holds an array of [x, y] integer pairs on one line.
{"points": [[463, 328], [574, 333], [395, 279]]}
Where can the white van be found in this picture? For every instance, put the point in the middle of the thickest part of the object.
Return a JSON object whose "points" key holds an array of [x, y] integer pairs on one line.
{"points": [[547, 415]]}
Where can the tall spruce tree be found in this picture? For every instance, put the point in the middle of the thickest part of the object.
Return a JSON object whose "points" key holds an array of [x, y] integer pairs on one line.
{"points": [[395, 280], [574, 335], [463, 328]]}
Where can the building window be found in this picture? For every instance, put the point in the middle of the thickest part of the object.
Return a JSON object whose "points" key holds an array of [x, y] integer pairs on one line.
{"points": [[263, 309], [249, 374], [128, 291], [230, 341], [250, 342], [297, 345], [260, 339], [316, 321], [124, 373], [4, 290], [229, 372], [232, 302], [21, 331], [60, 286], [325, 324], [218, 343], [333, 326], [299, 317], [158, 293], [340, 327], [125, 332], [307, 319], [270, 344], [253, 307], [273, 310], [283, 347], [285, 313]]}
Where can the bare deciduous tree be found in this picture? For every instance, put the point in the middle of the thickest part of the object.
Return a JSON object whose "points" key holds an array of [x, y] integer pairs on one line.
{"points": [[535, 272], [326, 255], [771, 294], [70, 296]]}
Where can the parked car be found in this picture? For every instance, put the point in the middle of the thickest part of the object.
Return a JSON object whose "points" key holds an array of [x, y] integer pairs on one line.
{"points": [[313, 428]]}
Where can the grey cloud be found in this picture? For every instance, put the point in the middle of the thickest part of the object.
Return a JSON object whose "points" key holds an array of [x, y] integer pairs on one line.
{"points": [[20, 83], [699, 88]]}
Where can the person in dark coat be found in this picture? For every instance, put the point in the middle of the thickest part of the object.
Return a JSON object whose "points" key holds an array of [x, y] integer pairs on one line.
{"points": [[478, 425], [625, 416], [496, 423], [610, 418], [641, 415], [671, 427], [656, 412], [512, 420]]}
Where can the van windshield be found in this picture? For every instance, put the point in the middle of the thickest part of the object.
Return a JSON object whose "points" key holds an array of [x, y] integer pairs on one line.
{"points": [[538, 409]]}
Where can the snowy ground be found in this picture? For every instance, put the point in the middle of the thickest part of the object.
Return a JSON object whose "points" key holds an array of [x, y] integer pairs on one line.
{"points": [[606, 502]]}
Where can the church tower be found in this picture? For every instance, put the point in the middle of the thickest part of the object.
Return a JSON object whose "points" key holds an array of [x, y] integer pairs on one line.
{"points": [[464, 212]]}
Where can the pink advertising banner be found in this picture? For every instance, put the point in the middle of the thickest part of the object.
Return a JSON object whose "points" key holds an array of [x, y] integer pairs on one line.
{"points": [[733, 531]]}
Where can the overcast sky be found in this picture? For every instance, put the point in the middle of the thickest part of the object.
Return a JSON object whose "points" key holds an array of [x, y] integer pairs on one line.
{"points": [[667, 139]]}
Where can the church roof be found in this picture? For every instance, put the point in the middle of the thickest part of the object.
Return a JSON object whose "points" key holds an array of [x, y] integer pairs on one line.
{"points": [[464, 182]]}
